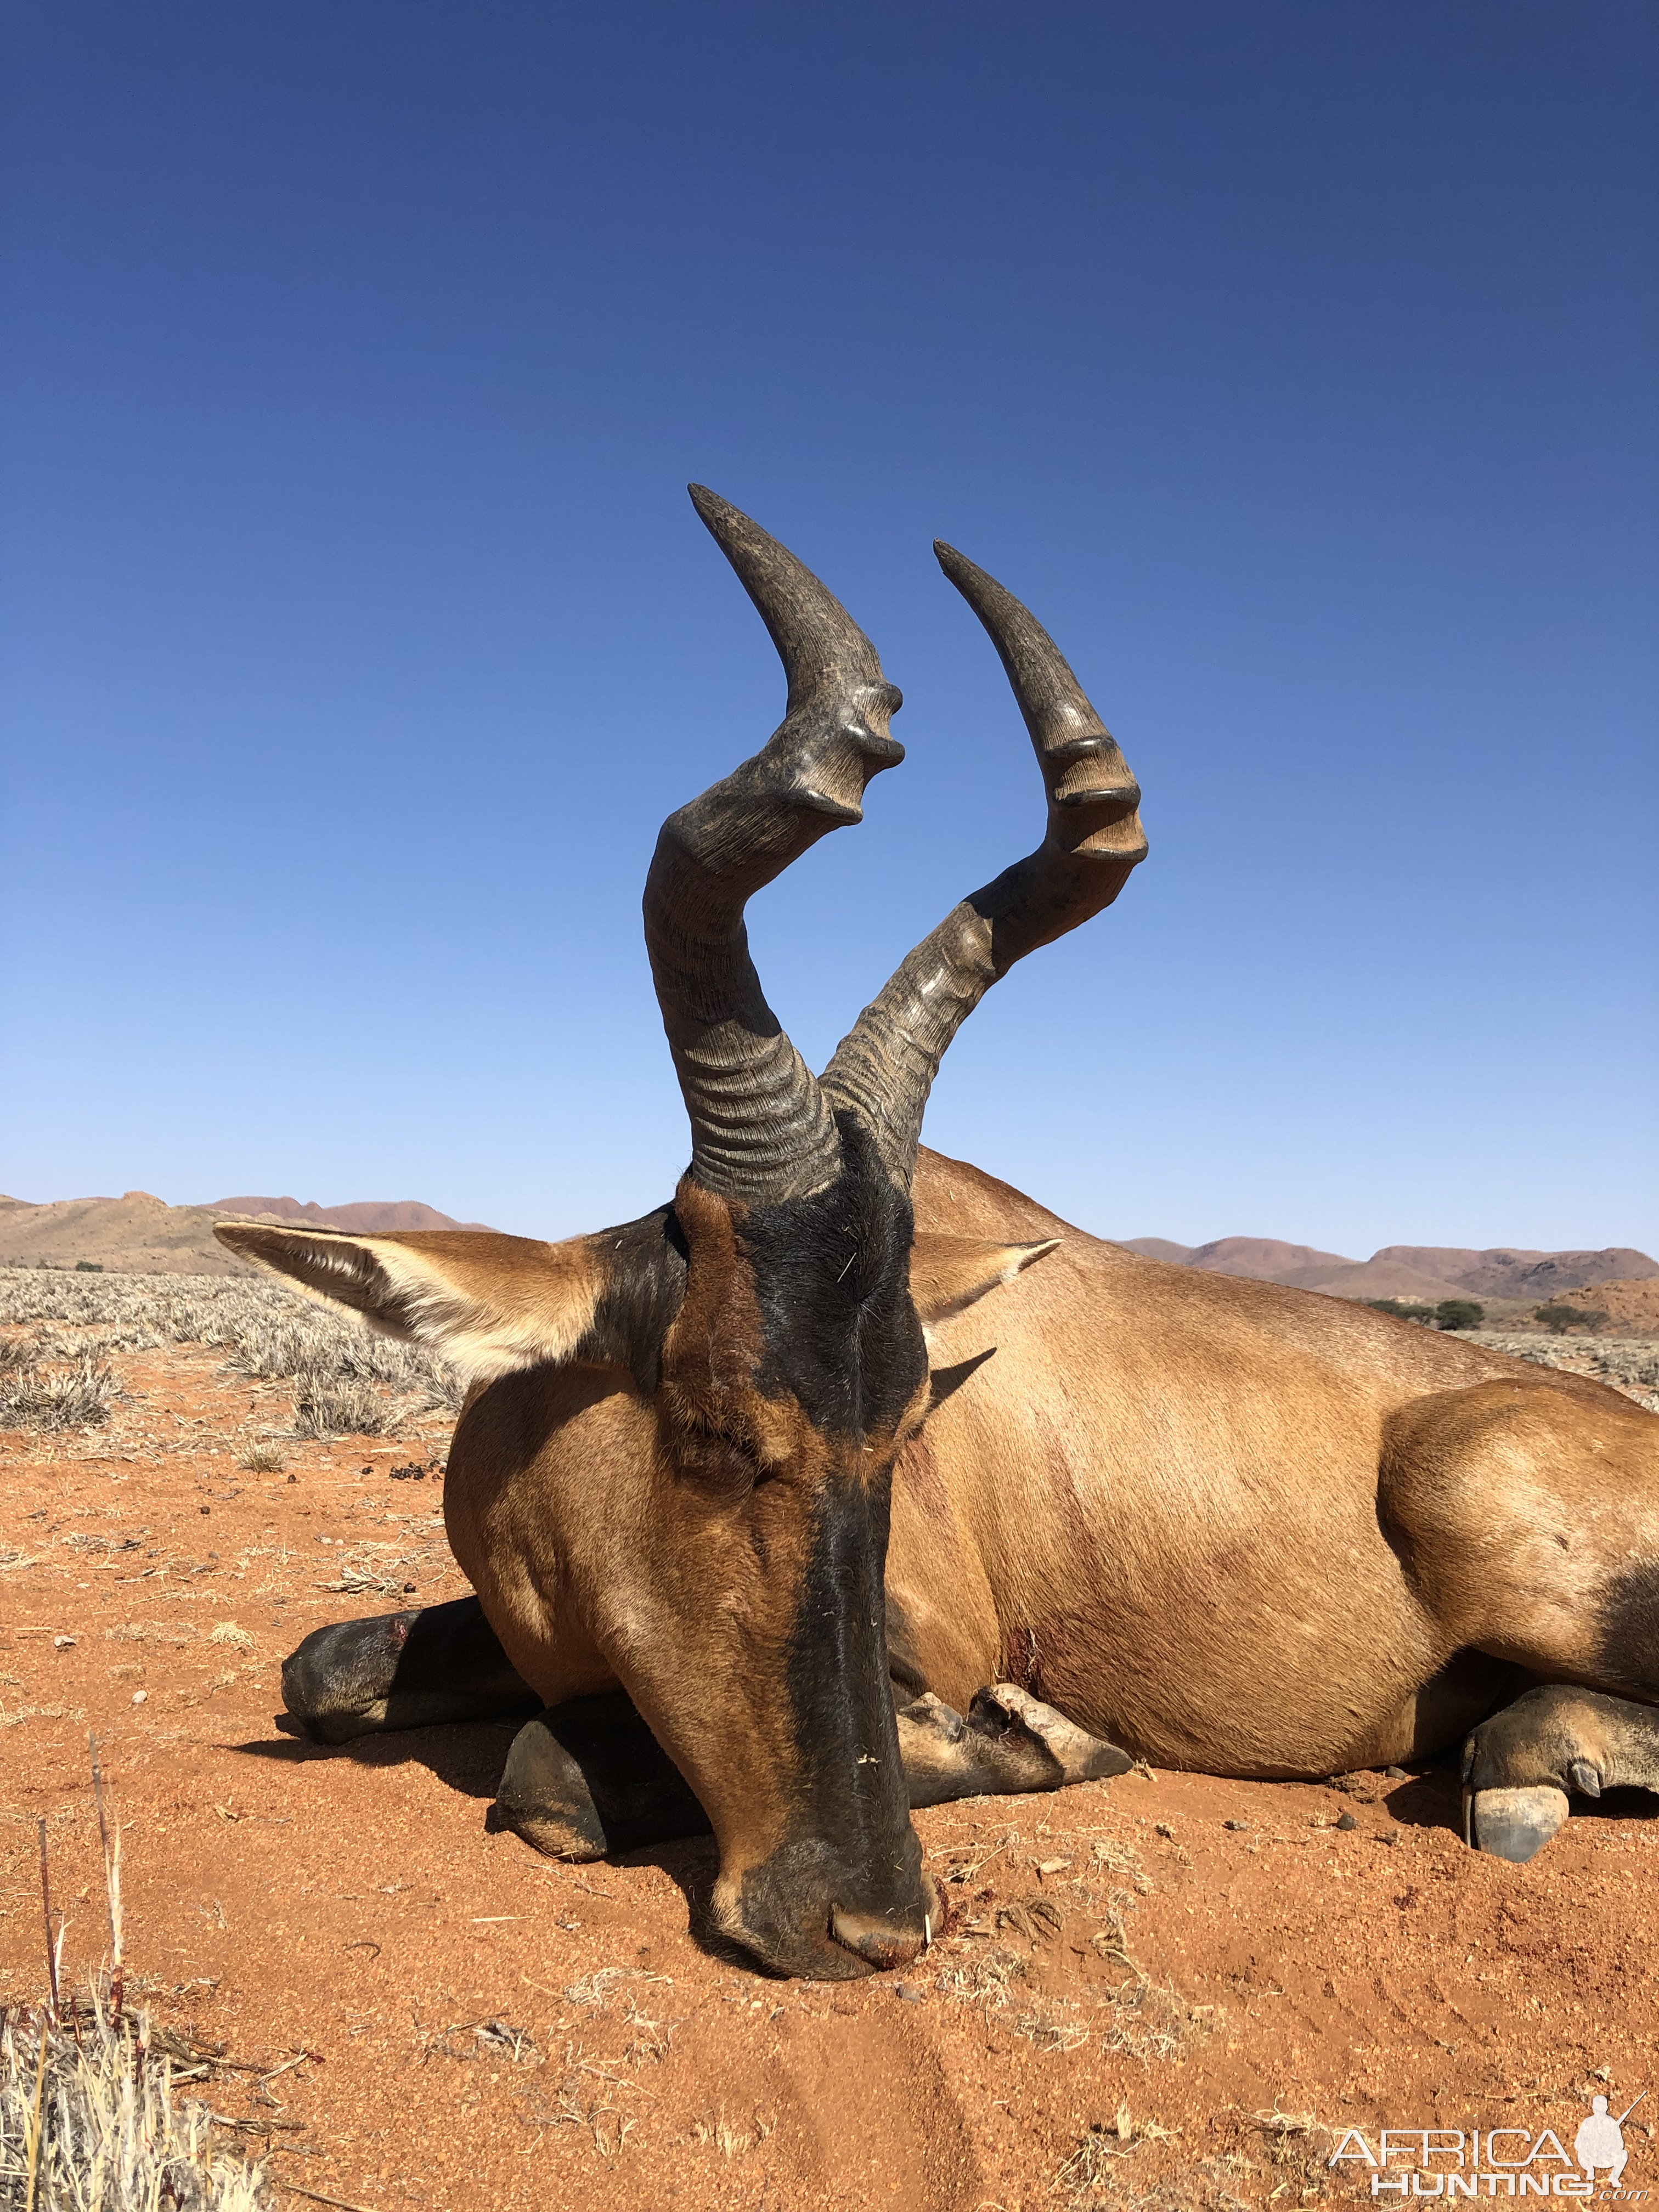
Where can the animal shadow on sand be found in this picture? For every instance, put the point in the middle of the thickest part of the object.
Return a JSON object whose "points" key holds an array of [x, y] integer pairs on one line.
{"points": [[469, 1757]]}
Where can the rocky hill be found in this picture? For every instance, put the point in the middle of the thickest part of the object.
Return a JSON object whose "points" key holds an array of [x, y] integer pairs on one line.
{"points": [[1503, 1278], [139, 1233], [368, 1215]]}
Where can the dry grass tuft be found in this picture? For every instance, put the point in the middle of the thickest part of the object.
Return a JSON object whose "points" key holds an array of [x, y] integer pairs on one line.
{"points": [[1210, 2187], [89, 2122], [1131, 2015], [324, 1405], [1298, 2145], [88, 2119], [74, 1395], [1092, 2168], [732, 2142], [348, 1380]]}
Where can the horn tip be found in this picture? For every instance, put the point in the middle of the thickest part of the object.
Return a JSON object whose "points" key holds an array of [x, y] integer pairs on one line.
{"points": [[956, 566]]}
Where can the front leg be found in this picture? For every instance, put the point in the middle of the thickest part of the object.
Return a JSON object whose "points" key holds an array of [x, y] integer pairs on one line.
{"points": [[402, 1670], [1010, 1742], [588, 1778]]}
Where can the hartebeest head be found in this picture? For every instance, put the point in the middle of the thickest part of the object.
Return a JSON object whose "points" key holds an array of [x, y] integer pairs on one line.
{"points": [[677, 1453]]}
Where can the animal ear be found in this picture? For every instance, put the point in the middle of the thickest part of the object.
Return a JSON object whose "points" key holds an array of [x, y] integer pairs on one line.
{"points": [[948, 1273], [489, 1303]]}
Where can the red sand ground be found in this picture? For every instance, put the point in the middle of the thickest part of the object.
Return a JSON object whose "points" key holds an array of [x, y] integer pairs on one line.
{"points": [[476, 2028]]}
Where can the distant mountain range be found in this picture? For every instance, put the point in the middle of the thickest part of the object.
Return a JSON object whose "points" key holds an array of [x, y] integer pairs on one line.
{"points": [[140, 1234], [367, 1214], [1418, 1271]]}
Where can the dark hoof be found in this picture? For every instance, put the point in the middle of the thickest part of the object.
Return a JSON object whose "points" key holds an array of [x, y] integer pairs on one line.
{"points": [[1517, 1824], [417, 1668], [588, 1778], [544, 1798]]}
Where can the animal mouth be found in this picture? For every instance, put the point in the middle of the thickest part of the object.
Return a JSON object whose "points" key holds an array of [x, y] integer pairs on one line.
{"points": [[882, 1940], [833, 1942]]}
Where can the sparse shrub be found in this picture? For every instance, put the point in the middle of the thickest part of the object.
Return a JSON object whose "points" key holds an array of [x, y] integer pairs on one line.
{"points": [[1561, 1318], [268, 1352], [74, 1396], [268, 1331], [262, 1459], [1402, 1310], [446, 1392], [1459, 1313], [129, 1336], [88, 1266], [333, 1405]]}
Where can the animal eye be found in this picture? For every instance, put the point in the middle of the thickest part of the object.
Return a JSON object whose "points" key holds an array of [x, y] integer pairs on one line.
{"points": [[715, 1456]]}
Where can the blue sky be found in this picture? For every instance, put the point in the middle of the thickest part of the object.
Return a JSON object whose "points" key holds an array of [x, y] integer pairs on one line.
{"points": [[1295, 364]]}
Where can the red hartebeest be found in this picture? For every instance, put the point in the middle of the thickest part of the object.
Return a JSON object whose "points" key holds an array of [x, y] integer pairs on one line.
{"points": [[771, 1521]]}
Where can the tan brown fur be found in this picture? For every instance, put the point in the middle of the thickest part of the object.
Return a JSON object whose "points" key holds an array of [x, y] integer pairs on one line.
{"points": [[1170, 1481], [1156, 1505], [1232, 1526]]}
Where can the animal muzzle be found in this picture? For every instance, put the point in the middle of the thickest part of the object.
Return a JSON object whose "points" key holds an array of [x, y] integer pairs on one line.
{"points": [[800, 1913], [890, 1939]]}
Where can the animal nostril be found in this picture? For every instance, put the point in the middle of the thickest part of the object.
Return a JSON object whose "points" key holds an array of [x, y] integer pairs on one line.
{"points": [[884, 1942]]}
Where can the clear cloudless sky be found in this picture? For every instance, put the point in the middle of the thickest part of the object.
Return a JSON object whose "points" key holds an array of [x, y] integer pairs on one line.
{"points": [[1295, 363]]}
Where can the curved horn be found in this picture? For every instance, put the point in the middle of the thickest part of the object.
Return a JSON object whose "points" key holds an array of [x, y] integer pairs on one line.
{"points": [[885, 1067], [761, 1130]]}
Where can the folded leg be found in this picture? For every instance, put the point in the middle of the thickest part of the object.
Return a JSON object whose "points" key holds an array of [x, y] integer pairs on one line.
{"points": [[1520, 1767], [402, 1670], [1008, 1742], [588, 1777]]}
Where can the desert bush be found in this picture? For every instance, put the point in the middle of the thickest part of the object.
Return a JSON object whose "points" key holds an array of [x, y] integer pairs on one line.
{"points": [[1459, 1313], [262, 1459], [1561, 1318], [76, 1395], [332, 1405], [1401, 1309]]}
